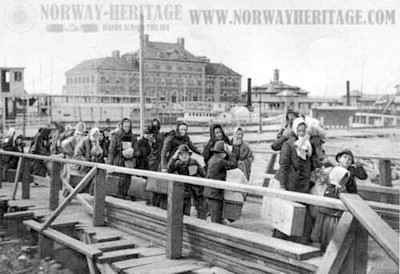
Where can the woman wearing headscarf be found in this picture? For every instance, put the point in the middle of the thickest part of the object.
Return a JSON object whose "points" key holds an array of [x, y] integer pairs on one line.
{"points": [[295, 170], [69, 143], [244, 156], [295, 160], [88, 150], [121, 153], [156, 143], [40, 146], [216, 134], [172, 141]]}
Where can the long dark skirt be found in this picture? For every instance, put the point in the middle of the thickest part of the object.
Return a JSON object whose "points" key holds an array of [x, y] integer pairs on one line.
{"points": [[324, 228]]}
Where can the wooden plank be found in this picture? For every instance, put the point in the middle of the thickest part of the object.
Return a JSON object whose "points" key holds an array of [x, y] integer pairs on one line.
{"points": [[16, 180], [166, 266], [64, 204], [118, 255], [175, 220], [106, 237], [65, 240], [200, 247], [19, 215], [339, 246], [359, 250], [115, 245], [230, 235], [183, 268], [55, 185], [376, 227], [99, 198], [122, 265]]}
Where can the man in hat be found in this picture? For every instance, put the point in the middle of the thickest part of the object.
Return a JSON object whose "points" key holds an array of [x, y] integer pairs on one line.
{"points": [[220, 162], [345, 159], [181, 163]]}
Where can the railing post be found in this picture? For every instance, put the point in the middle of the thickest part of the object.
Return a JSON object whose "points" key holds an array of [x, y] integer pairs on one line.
{"points": [[99, 197], [270, 168], [175, 220], [385, 176], [1, 171], [55, 185], [17, 177], [26, 179]]}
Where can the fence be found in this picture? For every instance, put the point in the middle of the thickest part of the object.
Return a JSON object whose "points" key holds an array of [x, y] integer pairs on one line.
{"points": [[346, 253]]}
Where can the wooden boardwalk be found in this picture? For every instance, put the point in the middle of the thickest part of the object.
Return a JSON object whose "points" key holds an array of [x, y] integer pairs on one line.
{"points": [[120, 252], [120, 236]]}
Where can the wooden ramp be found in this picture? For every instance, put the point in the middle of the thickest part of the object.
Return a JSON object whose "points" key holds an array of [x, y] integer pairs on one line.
{"points": [[108, 250]]}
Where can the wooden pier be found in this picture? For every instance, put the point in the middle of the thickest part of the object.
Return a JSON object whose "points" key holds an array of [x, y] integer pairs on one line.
{"points": [[120, 236]]}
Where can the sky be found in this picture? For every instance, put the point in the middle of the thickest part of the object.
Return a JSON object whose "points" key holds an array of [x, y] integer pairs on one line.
{"points": [[318, 58]]}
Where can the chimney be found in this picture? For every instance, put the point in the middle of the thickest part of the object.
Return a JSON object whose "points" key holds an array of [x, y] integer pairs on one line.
{"points": [[276, 75], [347, 93], [115, 54], [181, 42], [249, 93]]}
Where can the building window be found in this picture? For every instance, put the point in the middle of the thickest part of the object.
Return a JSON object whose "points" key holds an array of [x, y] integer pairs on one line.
{"points": [[18, 76], [195, 98], [173, 99]]}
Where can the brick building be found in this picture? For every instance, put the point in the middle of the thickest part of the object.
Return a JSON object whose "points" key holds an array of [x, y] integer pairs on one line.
{"points": [[173, 75]]}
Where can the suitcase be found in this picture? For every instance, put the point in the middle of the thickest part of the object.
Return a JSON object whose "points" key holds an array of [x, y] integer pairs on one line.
{"points": [[137, 189]]}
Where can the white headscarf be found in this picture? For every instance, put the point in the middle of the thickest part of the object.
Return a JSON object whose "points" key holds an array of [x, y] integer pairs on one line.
{"points": [[303, 145]]}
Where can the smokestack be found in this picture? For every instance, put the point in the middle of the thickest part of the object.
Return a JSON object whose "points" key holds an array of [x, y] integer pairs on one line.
{"points": [[181, 42], [249, 92], [276, 75], [347, 93]]}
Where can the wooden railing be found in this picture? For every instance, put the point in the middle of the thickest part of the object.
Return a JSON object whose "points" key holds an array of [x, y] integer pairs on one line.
{"points": [[385, 192], [354, 224]]}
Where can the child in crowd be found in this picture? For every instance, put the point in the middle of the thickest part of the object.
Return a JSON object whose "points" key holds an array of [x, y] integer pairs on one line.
{"points": [[181, 163]]}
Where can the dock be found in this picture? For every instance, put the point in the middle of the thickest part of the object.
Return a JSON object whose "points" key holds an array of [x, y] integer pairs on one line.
{"points": [[121, 236]]}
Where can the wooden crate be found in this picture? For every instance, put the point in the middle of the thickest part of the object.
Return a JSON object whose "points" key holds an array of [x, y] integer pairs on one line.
{"points": [[285, 216]]}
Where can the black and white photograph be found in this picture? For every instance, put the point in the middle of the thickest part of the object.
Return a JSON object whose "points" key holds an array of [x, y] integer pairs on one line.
{"points": [[199, 137]]}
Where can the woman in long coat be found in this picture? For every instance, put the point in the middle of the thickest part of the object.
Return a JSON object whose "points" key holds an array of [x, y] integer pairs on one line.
{"points": [[216, 134], [295, 168], [244, 155]]}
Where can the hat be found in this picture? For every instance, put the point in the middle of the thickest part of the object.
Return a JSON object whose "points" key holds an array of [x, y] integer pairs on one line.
{"points": [[219, 147], [345, 151], [184, 148]]}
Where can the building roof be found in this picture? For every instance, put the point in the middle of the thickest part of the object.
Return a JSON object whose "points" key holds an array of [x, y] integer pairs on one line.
{"points": [[219, 69], [277, 87], [166, 51], [109, 63], [153, 50]]}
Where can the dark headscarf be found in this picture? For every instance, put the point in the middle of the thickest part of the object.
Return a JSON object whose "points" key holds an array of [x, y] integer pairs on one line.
{"points": [[212, 134]]}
